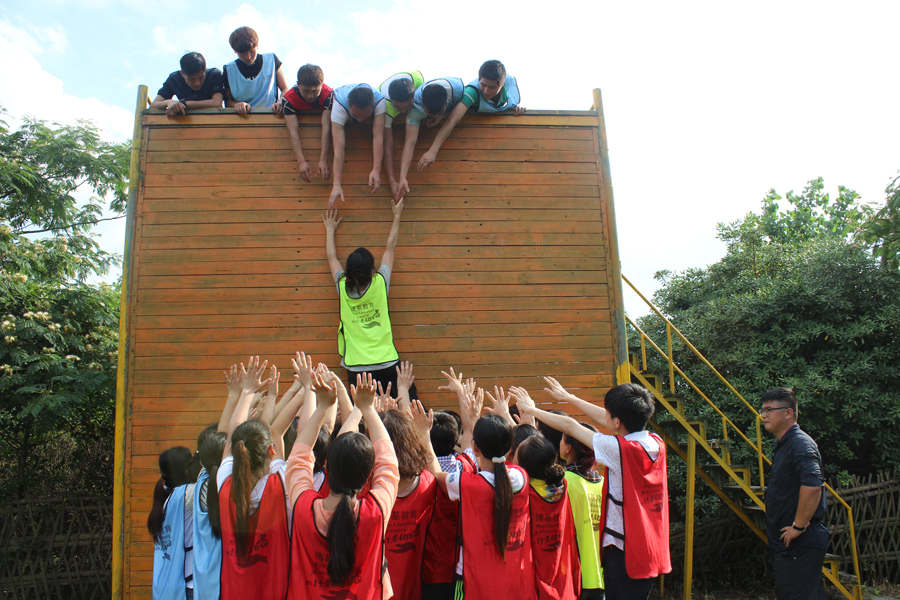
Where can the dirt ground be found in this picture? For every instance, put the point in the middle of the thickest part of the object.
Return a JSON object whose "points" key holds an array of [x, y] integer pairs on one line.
{"points": [[885, 591]]}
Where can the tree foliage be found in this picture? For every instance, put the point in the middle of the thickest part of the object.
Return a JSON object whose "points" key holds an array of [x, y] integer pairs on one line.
{"points": [[882, 229], [59, 333], [796, 303]]}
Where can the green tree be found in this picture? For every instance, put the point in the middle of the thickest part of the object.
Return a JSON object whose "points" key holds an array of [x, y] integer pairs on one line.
{"points": [[795, 303], [59, 333], [882, 229]]}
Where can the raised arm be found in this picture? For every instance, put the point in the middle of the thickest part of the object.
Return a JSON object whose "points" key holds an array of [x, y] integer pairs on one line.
{"points": [[324, 170], [405, 379], [337, 134], [343, 398], [429, 157], [566, 424], [293, 129], [251, 382], [377, 151], [331, 221], [558, 392], [423, 422], [388, 258], [388, 160], [500, 405], [233, 381], [409, 147], [364, 398]]}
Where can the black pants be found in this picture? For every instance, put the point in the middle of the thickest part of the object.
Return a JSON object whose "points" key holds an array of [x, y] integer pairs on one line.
{"points": [[798, 573], [438, 591], [383, 376], [618, 585]]}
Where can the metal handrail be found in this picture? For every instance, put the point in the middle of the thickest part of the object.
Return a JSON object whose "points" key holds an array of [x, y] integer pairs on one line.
{"points": [[762, 458]]}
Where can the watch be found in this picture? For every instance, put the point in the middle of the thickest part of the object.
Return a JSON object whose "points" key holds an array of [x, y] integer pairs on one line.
{"points": [[800, 529]]}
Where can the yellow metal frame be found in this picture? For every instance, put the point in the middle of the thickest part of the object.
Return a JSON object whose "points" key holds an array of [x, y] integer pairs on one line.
{"points": [[119, 545], [694, 439]]}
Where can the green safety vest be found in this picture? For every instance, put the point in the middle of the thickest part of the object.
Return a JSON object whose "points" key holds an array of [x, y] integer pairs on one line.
{"points": [[418, 80], [364, 336], [586, 499]]}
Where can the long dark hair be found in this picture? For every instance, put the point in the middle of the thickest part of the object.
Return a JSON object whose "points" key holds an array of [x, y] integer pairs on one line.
{"points": [[493, 437], [211, 457], [521, 433], [538, 457], [320, 449], [173, 466], [250, 445], [351, 459], [412, 457], [584, 456], [359, 269]]}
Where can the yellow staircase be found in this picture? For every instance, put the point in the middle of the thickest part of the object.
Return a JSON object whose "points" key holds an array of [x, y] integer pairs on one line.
{"points": [[740, 487]]}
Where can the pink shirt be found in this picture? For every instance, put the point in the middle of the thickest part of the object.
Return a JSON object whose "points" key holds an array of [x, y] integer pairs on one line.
{"points": [[385, 481]]}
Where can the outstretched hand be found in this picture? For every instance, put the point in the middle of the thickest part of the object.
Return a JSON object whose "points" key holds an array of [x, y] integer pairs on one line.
{"points": [[500, 404], [330, 218], [326, 394], [303, 367], [556, 390], [420, 419], [233, 381], [525, 405], [454, 383], [251, 375], [364, 391]]}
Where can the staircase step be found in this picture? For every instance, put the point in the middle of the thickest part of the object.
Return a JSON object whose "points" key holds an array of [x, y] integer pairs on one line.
{"points": [[742, 471], [759, 491]]}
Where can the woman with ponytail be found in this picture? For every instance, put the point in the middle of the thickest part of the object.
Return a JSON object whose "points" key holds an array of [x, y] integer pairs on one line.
{"points": [[585, 489], [166, 524], [496, 555], [557, 573], [253, 505], [365, 340], [337, 544]]}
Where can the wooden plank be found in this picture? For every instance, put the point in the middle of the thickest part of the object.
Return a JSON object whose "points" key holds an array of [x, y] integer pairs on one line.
{"points": [[468, 310], [287, 164], [279, 332], [215, 359], [315, 133], [282, 143], [412, 217], [405, 254], [252, 346], [180, 402], [367, 206], [228, 154], [179, 320], [357, 189], [267, 119], [397, 292]]}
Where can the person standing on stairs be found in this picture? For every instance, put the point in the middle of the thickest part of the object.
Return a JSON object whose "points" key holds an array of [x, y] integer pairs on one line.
{"points": [[795, 501]]}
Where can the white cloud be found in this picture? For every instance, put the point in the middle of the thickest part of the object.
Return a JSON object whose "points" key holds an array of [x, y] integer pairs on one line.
{"points": [[54, 37], [43, 95]]}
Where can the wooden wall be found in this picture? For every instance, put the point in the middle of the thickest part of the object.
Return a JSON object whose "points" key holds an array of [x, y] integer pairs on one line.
{"points": [[500, 270]]}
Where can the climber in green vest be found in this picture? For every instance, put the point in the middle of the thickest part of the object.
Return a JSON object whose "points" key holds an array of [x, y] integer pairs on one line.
{"points": [[365, 339]]}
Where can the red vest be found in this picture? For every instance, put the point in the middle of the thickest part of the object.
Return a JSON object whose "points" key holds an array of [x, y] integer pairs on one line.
{"points": [[645, 507], [556, 564], [486, 576], [297, 101], [264, 574], [309, 554], [404, 541], [441, 551]]}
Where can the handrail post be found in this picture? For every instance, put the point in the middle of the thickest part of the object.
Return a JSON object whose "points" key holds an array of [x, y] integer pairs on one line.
{"points": [[671, 361], [759, 452], [643, 352], [689, 517]]}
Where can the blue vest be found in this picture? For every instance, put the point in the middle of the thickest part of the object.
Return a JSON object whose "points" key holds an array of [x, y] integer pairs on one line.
{"points": [[259, 91], [168, 554], [512, 96], [207, 549], [342, 93], [456, 88]]}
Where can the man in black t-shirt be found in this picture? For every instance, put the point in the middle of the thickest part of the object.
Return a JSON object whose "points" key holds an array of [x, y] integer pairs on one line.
{"points": [[795, 502], [194, 85]]}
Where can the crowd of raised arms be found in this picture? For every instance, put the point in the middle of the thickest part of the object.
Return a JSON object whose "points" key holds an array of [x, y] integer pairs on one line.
{"points": [[381, 497], [257, 81]]}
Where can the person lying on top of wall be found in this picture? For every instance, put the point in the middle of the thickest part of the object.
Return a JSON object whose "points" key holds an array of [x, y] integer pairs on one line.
{"points": [[194, 85]]}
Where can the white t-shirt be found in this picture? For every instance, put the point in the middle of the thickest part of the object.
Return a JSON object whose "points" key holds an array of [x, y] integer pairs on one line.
{"points": [[276, 467], [516, 480], [606, 452], [340, 116]]}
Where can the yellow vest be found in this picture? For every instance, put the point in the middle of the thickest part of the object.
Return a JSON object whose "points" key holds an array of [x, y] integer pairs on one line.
{"points": [[364, 336], [417, 79], [586, 499]]}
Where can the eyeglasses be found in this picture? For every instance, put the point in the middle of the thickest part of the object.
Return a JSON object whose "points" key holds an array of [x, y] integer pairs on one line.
{"points": [[766, 410]]}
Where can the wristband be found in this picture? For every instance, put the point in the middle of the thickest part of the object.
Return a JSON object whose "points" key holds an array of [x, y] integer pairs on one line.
{"points": [[800, 529]]}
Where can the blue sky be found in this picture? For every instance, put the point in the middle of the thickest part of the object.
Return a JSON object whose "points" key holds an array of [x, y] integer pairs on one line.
{"points": [[708, 105]]}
